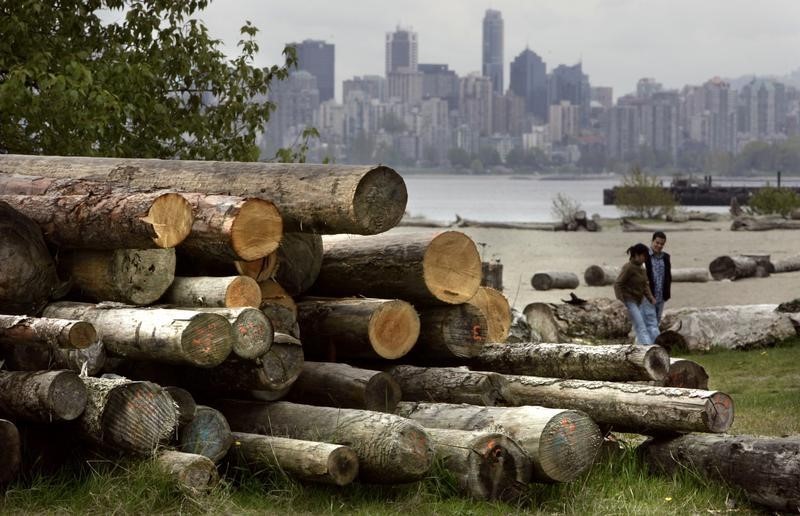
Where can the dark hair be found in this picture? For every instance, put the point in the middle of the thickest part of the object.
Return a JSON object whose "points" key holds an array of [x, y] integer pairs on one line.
{"points": [[658, 234], [636, 250]]}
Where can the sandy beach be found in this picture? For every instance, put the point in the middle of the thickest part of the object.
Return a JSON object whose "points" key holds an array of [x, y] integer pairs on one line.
{"points": [[525, 252]]}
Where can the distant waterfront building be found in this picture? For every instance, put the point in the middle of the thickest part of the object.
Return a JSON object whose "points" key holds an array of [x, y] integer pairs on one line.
{"points": [[401, 50], [374, 86], [646, 87], [493, 49], [508, 114], [297, 98], [438, 81], [529, 81], [622, 131], [604, 95], [564, 121], [475, 103], [762, 101], [406, 85], [571, 84], [317, 58]]}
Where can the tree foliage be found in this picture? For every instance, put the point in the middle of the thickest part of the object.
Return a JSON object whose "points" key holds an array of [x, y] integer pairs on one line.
{"points": [[564, 207], [771, 200], [151, 82], [642, 196]]}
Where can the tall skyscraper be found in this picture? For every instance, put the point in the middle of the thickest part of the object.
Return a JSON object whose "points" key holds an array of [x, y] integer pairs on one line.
{"points": [[493, 49], [317, 58], [529, 81], [571, 84], [401, 50], [438, 81]]}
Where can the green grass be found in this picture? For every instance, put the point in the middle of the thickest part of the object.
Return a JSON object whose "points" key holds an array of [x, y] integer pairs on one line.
{"points": [[764, 384]]}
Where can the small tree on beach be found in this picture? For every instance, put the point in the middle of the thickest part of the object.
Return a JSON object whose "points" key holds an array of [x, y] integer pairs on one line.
{"points": [[564, 207], [642, 196]]}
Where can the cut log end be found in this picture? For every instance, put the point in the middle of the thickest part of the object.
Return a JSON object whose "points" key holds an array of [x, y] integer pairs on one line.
{"points": [[503, 467], [379, 201], [382, 393], [171, 217], [243, 291], [207, 340], [257, 229], [393, 329], [138, 416], [254, 333], [541, 319], [195, 473], [719, 412], [261, 269], [656, 362], [452, 267], [208, 434], [68, 396], [343, 465], [81, 335], [568, 446], [497, 311], [10, 451], [184, 400]]}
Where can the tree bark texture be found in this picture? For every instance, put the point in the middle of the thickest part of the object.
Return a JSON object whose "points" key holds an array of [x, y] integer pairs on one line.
{"points": [[788, 264], [421, 268], [733, 267], [626, 407], [305, 460], [10, 451], [611, 363], [561, 444], [279, 307], [730, 327], [184, 401], [130, 276], [159, 334], [763, 223], [548, 280], [767, 469], [214, 292], [194, 473], [597, 319], [252, 329], [28, 276], [690, 275], [448, 332], [449, 385], [41, 396], [340, 385], [601, 275], [390, 449], [40, 356], [58, 333], [207, 434], [497, 311], [686, 374], [299, 259], [492, 275], [357, 328], [487, 465], [315, 198]]}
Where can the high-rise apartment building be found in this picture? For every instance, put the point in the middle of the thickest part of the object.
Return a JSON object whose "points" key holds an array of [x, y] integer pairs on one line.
{"points": [[438, 81], [317, 58], [475, 102], [603, 95], [401, 50], [374, 86], [529, 81], [493, 49], [297, 99], [571, 84], [646, 87], [405, 85]]}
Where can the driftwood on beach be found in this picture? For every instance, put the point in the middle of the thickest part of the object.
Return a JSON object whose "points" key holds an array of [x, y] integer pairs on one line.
{"points": [[763, 223], [594, 319]]}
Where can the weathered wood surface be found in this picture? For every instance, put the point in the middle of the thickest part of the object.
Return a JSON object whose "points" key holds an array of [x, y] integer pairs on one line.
{"points": [[10, 451], [207, 434], [788, 264], [554, 279], [562, 444], [540, 226], [194, 473], [39, 356], [747, 223], [279, 307], [626, 407], [61, 333], [492, 275], [449, 332], [735, 267], [214, 292], [41, 396], [438, 268], [357, 328], [130, 276], [184, 401], [629, 226], [340, 385], [596, 319], [730, 327], [613, 363], [601, 275], [315, 198], [497, 311], [252, 329], [690, 275], [449, 385], [159, 334], [306, 460], [390, 449], [487, 465], [686, 374], [28, 276], [767, 469], [298, 262]]}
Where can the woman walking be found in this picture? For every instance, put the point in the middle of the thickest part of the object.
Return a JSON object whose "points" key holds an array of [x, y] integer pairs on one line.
{"points": [[633, 289]]}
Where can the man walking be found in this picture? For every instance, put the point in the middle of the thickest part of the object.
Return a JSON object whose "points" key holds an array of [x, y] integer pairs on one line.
{"points": [[659, 272]]}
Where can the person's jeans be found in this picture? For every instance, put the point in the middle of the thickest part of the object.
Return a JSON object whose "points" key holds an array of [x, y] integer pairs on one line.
{"points": [[659, 310], [645, 323]]}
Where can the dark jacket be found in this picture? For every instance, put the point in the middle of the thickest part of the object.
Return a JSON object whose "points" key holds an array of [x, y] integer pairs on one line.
{"points": [[648, 264], [631, 284]]}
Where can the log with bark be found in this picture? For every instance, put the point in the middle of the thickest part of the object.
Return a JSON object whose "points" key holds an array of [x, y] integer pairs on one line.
{"points": [[767, 469], [58, 333], [449, 385], [340, 385], [159, 334], [686, 374], [690, 275], [194, 473], [41, 396], [495, 308], [461, 222], [788, 264], [596, 319], [184, 401], [738, 267], [611, 363], [28, 276], [548, 280], [299, 259], [214, 292], [315, 198], [795, 214], [127, 416], [730, 327], [10, 451], [632, 227], [487, 465], [390, 449], [748, 223], [207, 434], [625, 407], [40, 356], [448, 333], [252, 329], [130, 276], [357, 328], [492, 275], [601, 275], [279, 307], [561, 444], [439, 268], [305, 460]]}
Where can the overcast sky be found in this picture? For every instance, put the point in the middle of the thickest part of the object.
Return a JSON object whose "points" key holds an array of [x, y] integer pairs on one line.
{"points": [[619, 41]]}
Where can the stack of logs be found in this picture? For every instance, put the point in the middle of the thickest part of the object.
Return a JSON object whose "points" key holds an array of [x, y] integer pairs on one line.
{"points": [[201, 296]]}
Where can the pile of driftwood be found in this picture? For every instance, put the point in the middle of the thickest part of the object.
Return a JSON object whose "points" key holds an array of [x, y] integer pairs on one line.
{"points": [[578, 221], [201, 297]]}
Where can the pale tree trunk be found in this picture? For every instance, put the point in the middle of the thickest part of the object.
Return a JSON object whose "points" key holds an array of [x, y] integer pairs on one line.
{"points": [[340, 385], [279, 307], [41, 396], [487, 465], [207, 434], [214, 292], [690, 275], [765, 468], [601, 275], [562, 444], [184, 401], [252, 329], [390, 449], [788, 264], [305, 460], [610, 363], [449, 332], [548, 280], [299, 259], [438, 268], [40, 356], [58, 333], [449, 385], [10, 451], [734, 267], [763, 223], [596, 319], [316, 198], [194, 473], [495, 308]]}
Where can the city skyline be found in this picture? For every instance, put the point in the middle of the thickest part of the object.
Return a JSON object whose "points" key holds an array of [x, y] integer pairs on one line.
{"points": [[617, 41]]}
